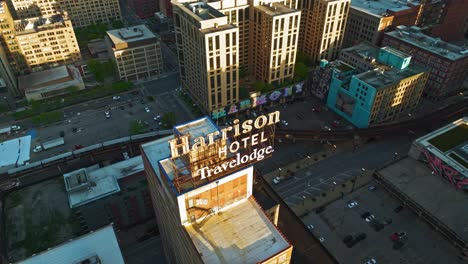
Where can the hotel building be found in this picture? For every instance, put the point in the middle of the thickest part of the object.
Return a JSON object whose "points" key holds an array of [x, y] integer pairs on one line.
{"points": [[210, 218], [448, 64], [136, 51], [82, 13], [390, 90], [323, 26]]}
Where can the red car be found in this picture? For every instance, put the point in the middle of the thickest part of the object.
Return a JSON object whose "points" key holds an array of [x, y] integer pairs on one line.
{"points": [[78, 146]]}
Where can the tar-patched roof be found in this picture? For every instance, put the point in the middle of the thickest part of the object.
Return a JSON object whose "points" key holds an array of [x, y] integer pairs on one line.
{"points": [[101, 243]]}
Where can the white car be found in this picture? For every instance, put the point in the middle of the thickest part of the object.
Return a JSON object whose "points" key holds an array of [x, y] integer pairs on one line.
{"points": [[310, 227], [321, 239], [107, 114], [15, 127], [370, 218], [147, 110], [284, 122], [157, 118], [115, 97], [38, 148], [352, 204], [371, 261]]}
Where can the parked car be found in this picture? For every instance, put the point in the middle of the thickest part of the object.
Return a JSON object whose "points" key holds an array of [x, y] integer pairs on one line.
{"points": [[107, 114], [284, 122], [321, 239], [157, 118], [361, 236], [310, 227], [398, 209], [370, 218], [352, 204], [371, 261], [372, 188], [365, 215], [115, 97], [147, 110], [15, 127]]}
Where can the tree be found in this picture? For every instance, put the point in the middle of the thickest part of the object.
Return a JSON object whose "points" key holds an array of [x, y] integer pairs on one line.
{"points": [[72, 90], [262, 87], [300, 70], [101, 70], [137, 127], [117, 24], [169, 119]]}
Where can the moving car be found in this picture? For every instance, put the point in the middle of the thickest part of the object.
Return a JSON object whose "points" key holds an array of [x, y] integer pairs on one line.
{"points": [[157, 118], [115, 97], [310, 227], [147, 110], [371, 261], [372, 188], [352, 204], [284, 122], [107, 114], [321, 239]]}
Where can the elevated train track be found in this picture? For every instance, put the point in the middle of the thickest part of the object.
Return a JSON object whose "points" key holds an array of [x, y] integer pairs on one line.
{"points": [[426, 123], [41, 170]]}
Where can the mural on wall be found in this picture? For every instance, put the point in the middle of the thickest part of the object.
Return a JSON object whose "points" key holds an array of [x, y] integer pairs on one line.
{"points": [[345, 103], [260, 99], [318, 82], [442, 169]]}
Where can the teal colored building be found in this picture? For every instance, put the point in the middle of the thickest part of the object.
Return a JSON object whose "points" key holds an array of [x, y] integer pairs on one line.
{"points": [[392, 88]]}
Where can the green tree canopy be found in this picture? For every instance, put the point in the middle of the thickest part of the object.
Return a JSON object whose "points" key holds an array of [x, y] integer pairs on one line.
{"points": [[169, 119], [300, 70]]}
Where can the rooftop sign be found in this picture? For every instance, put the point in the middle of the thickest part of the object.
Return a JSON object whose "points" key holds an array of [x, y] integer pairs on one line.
{"points": [[247, 135]]}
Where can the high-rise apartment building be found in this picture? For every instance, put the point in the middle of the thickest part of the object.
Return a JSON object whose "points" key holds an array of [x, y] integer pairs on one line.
{"points": [[255, 37], [453, 25], [207, 47], [237, 13], [369, 19], [211, 217], [136, 51], [82, 13], [323, 26], [274, 39], [448, 63], [391, 90], [46, 42]]}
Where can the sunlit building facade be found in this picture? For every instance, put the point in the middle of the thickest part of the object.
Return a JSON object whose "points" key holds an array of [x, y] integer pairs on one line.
{"points": [[136, 52], [391, 90], [323, 26], [208, 53], [274, 38], [82, 13], [46, 42]]}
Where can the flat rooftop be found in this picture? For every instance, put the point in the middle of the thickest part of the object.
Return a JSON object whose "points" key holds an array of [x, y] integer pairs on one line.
{"points": [[97, 186], [275, 9], [385, 76], [363, 50], [103, 181], [15, 151], [196, 128], [414, 36], [431, 192], [46, 77], [157, 150], [242, 234], [450, 144], [380, 7], [31, 25], [101, 243], [202, 11], [130, 34]]}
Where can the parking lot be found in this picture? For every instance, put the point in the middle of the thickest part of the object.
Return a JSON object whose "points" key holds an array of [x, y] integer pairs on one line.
{"points": [[421, 244]]}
